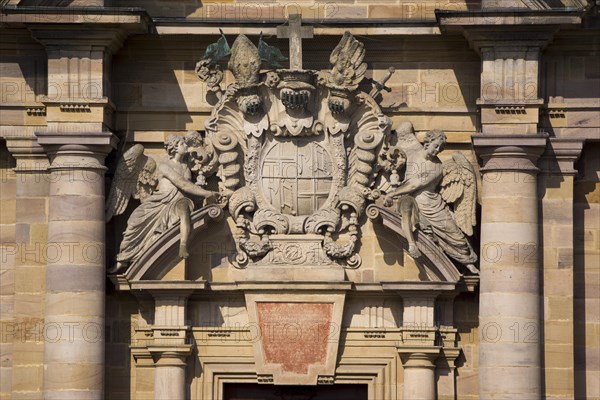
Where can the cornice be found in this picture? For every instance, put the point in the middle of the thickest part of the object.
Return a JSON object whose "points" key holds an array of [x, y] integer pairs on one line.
{"points": [[15, 15], [498, 18], [518, 153], [78, 27], [561, 155]]}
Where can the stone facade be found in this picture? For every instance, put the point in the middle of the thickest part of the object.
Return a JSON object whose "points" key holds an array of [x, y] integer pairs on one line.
{"points": [[154, 246]]}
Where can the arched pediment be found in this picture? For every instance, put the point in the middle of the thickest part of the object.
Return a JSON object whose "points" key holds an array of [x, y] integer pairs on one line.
{"points": [[160, 257], [435, 262]]}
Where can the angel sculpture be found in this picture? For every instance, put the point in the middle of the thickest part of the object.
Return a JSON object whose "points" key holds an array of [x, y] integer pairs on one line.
{"points": [[161, 189], [420, 203]]}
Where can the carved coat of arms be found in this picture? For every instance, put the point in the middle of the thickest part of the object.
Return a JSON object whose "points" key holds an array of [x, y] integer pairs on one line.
{"points": [[297, 152], [298, 155]]}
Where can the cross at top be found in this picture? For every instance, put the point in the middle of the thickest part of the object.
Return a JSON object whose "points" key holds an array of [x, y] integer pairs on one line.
{"points": [[295, 32]]}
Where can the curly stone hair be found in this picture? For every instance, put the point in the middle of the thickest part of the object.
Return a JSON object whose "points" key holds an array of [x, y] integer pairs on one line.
{"points": [[434, 134], [171, 143]]}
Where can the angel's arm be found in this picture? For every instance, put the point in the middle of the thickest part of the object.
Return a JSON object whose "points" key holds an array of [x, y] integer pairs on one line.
{"points": [[411, 185], [414, 183], [183, 184]]}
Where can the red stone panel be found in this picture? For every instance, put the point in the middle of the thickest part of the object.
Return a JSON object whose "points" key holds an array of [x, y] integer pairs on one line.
{"points": [[295, 335]]}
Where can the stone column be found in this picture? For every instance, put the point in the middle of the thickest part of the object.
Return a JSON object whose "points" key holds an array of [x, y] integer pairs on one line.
{"points": [[446, 373], [169, 379], [419, 372], [75, 278], [509, 307], [30, 254], [417, 350], [170, 348], [556, 190]]}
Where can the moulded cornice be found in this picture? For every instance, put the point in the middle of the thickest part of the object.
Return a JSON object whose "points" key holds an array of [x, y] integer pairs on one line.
{"points": [[30, 155], [100, 141], [561, 155], [517, 152]]}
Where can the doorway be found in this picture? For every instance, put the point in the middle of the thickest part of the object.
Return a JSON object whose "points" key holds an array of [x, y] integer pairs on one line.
{"points": [[254, 391]]}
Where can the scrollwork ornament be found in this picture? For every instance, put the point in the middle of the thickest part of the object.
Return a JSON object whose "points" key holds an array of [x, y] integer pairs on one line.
{"points": [[325, 220], [268, 221], [212, 75], [300, 154]]}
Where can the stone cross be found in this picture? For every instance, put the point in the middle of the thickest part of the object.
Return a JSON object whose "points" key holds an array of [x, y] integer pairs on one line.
{"points": [[295, 32]]}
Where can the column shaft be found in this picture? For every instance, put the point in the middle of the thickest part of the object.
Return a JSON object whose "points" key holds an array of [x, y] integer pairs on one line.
{"points": [[169, 379], [509, 308], [30, 264], [75, 278], [419, 372], [556, 187], [170, 349]]}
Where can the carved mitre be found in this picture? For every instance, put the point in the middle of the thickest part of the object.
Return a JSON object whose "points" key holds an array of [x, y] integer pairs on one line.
{"points": [[245, 65]]}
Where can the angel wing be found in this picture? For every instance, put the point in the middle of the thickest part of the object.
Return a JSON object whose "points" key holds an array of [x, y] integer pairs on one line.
{"points": [[459, 188], [347, 61], [135, 177]]}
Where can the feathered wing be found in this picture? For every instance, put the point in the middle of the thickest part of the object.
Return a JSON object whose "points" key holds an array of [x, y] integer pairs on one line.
{"points": [[459, 188], [135, 177], [347, 61]]}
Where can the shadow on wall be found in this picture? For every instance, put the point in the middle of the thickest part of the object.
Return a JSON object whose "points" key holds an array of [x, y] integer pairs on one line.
{"points": [[154, 84], [586, 228], [121, 321]]}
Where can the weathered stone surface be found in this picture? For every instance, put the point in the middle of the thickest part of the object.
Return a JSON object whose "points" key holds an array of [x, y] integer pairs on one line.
{"points": [[539, 278]]}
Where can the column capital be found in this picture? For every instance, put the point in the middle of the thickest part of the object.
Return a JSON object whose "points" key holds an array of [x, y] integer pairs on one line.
{"points": [[419, 357], [520, 39], [501, 24], [170, 356], [518, 153], [100, 142], [73, 38], [30, 155], [561, 155], [448, 357]]}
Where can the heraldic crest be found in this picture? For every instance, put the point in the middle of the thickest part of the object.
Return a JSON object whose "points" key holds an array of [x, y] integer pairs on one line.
{"points": [[299, 154]]}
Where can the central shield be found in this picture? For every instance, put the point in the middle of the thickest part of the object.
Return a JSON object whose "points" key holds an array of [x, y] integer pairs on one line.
{"points": [[296, 176]]}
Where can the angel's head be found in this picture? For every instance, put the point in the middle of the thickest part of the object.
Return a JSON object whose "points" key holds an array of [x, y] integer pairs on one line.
{"points": [[175, 144], [435, 141]]}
